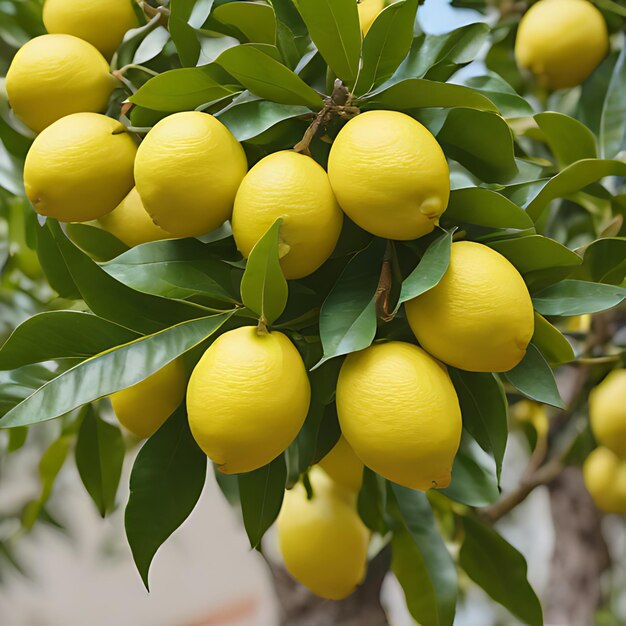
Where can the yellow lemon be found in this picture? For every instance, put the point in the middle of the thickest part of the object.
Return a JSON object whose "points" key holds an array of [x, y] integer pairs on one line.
{"points": [[343, 466], [247, 398], [187, 171], [144, 407], [605, 479], [578, 324], [130, 222], [368, 11], [534, 413], [399, 412], [322, 540], [80, 167], [479, 317], [607, 412], [103, 26], [389, 175], [292, 186], [561, 41], [55, 75]]}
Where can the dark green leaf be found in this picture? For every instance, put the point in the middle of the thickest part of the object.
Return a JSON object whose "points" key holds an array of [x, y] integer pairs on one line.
{"points": [[604, 261], [17, 438], [612, 127], [500, 570], [372, 501], [534, 379], [508, 101], [54, 266], [165, 484], [551, 343], [577, 297], [256, 22], [99, 458], [97, 242], [568, 139], [185, 17], [263, 286], [261, 494]]}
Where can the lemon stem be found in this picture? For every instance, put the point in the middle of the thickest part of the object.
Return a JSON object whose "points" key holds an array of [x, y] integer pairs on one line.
{"points": [[261, 328]]}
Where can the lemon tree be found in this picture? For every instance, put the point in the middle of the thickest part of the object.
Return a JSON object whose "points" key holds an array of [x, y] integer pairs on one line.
{"points": [[328, 255]]}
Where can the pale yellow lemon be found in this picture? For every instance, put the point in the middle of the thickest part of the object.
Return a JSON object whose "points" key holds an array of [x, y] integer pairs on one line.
{"points": [[399, 412], [343, 466], [187, 172], [292, 186], [144, 407], [561, 41], [52, 76], [102, 25], [130, 222], [80, 167], [605, 479], [533, 413], [368, 11], [607, 412], [323, 540], [479, 317], [389, 175], [247, 398]]}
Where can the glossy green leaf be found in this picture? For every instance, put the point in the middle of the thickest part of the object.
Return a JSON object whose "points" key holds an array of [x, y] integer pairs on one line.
{"points": [[151, 46], [372, 501], [577, 297], [165, 484], [261, 494], [496, 566], [555, 348], [612, 127], [420, 559], [255, 21], [54, 266], [109, 372], [430, 270], [484, 409], [263, 286], [99, 457], [386, 44], [508, 101], [267, 78], [534, 379], [604, 261], [335, 30], [100, 244], [58, 335], [185, 17], [184, 89], [301, 452], [568, 139], [348, 315], [287, 13]]}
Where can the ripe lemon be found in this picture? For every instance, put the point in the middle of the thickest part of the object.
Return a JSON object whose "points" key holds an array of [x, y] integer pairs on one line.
{"points": [[144, 407], [55, 75], [130, 222], [480, 315], [605, 479], [343, 466], [368, 11], [187, 171], [80, 167], [399, 411], [607, 412], [561, 41], [292, 186], [323, 540], [247, 398], [389, 175], [533, 413], [103, 26]]}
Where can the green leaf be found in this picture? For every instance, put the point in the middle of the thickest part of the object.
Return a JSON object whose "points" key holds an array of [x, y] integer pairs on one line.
{"points": [[430, 270], [500, 570], [534, 379], [420, 559], [484, 409], [555, 348], [151, 46], [419, 93], [386, 44], [372, 501], [99, 458], [301, 452], [612, 127], [481, 141], [184, 89], [185, 17], [604, 261], [165, 484], [109, 372], [568, 139], [112, 300], [256, 22], [348, 315], [100, 244], [577, 297], [287, 13], [263, 286], [261, 494], [335, 30], [267, 78], [54, 266], [58, 335], [508, 101]]}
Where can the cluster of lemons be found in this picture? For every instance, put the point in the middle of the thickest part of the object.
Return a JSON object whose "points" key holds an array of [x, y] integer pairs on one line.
{"points": [[249, 394]]}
